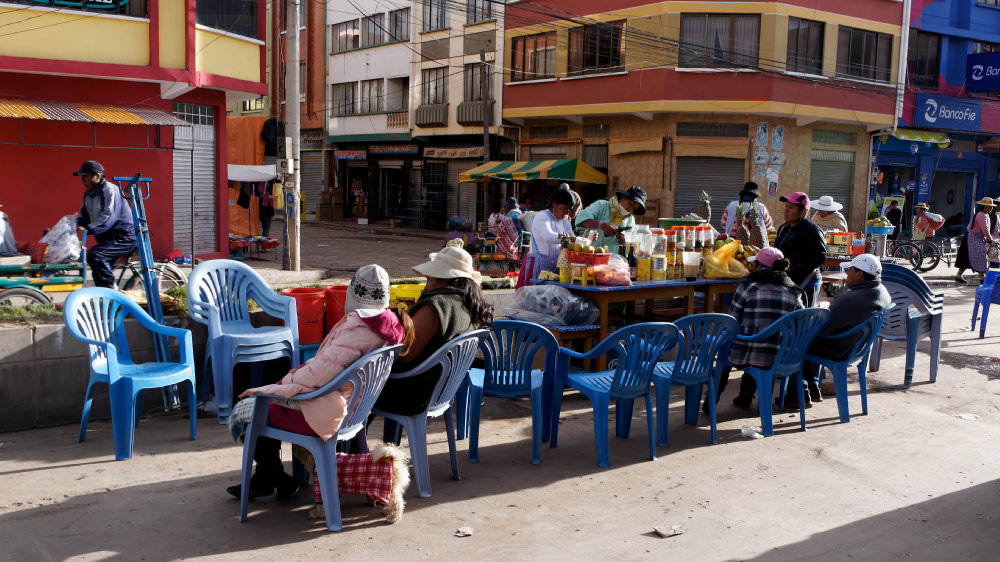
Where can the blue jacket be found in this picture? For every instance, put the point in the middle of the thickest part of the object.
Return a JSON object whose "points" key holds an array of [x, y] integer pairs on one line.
{"points": [[104, 209]]}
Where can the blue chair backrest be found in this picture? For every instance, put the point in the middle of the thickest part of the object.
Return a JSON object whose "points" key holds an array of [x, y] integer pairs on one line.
{"points": [[702, 336], [98, 314], [510, 351], [990, 284], [640, 347], [797, 329], [865, 333], [224, 285], [455, 358], [903, 297], [901, 276]]}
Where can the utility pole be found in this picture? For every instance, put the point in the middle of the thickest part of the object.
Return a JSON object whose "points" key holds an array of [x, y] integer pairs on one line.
{"points": [[292, 127], [487, 108]]}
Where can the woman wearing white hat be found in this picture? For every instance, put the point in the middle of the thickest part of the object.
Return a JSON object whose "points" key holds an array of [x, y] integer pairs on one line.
{"points": [[450, 305], [828, 216]]}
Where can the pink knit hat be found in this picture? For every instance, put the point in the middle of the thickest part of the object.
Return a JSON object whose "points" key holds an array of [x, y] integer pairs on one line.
{"points": [[767, 256]]}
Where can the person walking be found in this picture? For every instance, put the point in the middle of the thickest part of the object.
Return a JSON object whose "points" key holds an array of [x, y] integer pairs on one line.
{"points": [[972, 252], [108, 217]]}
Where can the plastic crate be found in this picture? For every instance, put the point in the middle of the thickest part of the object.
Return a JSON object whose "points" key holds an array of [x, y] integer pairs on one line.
{"points": [[587, 258], [879, 229]]}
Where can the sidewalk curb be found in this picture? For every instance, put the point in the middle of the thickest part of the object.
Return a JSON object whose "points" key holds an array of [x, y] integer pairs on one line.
{"points": [[379, 229]]}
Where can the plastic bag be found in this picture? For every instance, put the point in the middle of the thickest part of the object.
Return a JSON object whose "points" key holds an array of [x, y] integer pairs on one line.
{"points": [[62, 241], [616, 272], [552, 306], [722, 263]]}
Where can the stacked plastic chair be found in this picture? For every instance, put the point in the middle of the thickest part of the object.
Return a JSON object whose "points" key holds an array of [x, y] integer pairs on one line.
{"points": [[218, 293], [916, 315], [986, 294]]}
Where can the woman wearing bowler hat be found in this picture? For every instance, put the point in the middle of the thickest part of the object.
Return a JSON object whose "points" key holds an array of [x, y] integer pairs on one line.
{"points": [[609, 216]]}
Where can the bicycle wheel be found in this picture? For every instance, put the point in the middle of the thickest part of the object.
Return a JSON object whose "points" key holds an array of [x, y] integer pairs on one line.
{"points": [[907, 254], [931, 257], [170, 276], [21, 296]]}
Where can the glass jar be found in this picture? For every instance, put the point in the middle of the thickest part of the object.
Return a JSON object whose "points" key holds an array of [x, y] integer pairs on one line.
{"points": [[658, 270]]}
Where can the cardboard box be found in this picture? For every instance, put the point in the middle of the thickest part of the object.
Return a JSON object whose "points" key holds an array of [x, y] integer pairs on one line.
{"points": [[324, 212]]}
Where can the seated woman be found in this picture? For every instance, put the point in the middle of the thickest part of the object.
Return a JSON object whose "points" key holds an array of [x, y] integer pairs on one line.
{"points": [[367, 326], [450, 305]]}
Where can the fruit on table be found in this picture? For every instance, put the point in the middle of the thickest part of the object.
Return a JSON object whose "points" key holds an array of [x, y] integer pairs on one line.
{"points": [[880, 221]]}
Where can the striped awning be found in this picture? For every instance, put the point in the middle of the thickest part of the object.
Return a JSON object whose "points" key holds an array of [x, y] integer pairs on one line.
{"points": [[916, 135], [568, 169], [86, 113]]}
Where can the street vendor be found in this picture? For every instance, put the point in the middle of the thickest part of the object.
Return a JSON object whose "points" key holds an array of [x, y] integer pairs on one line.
{"points": [[510, 208], [828, 216], [545, 244], [924, 222], [108, 217], [747, 198], [609, 216]]}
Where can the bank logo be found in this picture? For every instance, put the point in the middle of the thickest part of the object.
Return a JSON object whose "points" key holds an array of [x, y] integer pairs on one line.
{"points": [[931, 110], [977, 72]]}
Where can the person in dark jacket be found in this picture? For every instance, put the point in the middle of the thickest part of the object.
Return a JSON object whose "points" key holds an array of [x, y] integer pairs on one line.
{"points": [[865, 296], [108, 217], [803, 244]]}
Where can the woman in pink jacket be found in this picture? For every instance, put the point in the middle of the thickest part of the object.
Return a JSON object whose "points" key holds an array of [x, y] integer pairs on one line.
{"points": [[367, 326]]}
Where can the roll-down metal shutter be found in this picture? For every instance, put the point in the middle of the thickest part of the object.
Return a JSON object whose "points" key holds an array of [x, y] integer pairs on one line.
{"points": [[462, 197], [200, 200], [313, 177], [722, 178], [832, 173]]}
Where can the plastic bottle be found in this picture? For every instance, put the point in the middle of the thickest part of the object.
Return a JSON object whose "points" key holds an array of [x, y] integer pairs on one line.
{"points": [[670, 237], [658, 271], [644, 250]]}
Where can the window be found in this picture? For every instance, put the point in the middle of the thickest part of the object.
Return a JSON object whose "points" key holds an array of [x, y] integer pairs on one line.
{"points": [[984, 47], [479, 11], [343, 98], [303, 13], [371, 30], [834, 137], [399, 25], [477, 77], [534, 57], [719, 40], [595, 48], [302, 80], [134, 8], [435, 86], [864, 54], [550, 132], [805, 46], [195, 114], [699, 129], [989, 2], [596, 131], [247, 106], [924, 59], [371, 96], [397, 96], [435, 15], [345, 36], [234, 16]]}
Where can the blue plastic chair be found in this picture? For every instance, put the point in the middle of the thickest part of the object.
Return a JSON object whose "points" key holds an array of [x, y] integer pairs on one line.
{"points": [[638, 348], [917, 315], [702, 336], [986, 294], [96, 316], [866, 332], [218, 291], [368, 374], [509, 354], [794, 331], [455, 358]]}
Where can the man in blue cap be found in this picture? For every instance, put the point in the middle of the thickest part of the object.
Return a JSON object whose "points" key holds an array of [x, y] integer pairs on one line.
{"points": [[108, 217]]}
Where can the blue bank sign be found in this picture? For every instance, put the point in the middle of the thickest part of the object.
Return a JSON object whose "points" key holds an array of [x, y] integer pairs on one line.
{"points": [[942, 112], [982, 72]]}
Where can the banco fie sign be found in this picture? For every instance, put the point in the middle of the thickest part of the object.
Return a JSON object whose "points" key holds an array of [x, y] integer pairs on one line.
{"points": [[943, 112], [982, 72]]}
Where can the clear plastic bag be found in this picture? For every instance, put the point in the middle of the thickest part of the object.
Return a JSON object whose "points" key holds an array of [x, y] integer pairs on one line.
{"points": [[551, 306], [62, 240], [615, 273]]}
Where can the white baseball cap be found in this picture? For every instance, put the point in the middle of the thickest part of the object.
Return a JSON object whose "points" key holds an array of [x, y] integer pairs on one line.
{"points": [[867, 263]]}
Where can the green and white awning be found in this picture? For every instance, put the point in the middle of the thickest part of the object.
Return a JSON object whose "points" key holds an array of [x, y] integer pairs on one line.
{"points": [[916, 135], [568, 169]]}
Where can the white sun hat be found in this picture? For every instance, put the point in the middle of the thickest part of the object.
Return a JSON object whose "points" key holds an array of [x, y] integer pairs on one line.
{"points": [[449, 263], [826, 203]]}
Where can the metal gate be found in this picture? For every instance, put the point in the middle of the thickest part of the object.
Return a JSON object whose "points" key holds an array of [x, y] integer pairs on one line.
{"points": [[832, 173], [462, 197], [722, 178], [312, 177], [198, 200]]}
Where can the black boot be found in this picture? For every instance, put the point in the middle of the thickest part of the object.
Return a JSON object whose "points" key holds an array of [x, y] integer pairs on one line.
{"points": [[748, 387]]}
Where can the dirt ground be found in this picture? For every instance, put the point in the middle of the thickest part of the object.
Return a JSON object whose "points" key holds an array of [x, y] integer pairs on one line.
{"points": [[912, 480]]}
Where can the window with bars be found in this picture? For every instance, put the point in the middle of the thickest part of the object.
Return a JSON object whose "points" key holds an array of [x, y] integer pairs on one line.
{"points": [[399, 25], [924, 59], [696, 129], [346, 36], [435, 86], [194, 113], [371, 96], [233, 16], [719, 40], [478, 11], [551, 132], [371, 30], [595, 48], [805, 46], [435, 15], [344, 98], [596, 156], [477, 77], [256, 104], [533, 57], [864, 54], [596, 130], [834, 137], [547, 151]]}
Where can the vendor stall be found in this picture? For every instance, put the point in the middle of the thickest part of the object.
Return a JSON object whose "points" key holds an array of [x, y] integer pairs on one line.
{"points": [[251, 204]]}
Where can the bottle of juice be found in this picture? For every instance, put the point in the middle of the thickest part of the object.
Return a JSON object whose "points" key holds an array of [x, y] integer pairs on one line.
{"points": [[658, 270], [643, 252], [670, 244]]}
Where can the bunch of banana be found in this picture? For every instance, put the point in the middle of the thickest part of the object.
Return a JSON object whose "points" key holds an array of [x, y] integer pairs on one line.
{"points": [[744, 253]]}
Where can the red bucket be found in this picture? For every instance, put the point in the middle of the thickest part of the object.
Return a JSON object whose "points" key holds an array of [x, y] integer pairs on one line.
{"points": [[310, 306], [336, 301]]}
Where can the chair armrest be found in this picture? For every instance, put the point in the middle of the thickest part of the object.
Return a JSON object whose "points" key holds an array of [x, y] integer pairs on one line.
{"points": [[768, 332], [343, 377]]}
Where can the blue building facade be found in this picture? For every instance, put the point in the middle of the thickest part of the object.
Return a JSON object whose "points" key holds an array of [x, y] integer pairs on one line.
{"points": [[946, 150]]}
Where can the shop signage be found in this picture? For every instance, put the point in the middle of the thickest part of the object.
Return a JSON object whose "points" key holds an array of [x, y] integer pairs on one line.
{"points": [[393, 149], [350, 154], [92, 4], [947, 113], [982, 72], [989, 146], [464, 152]]}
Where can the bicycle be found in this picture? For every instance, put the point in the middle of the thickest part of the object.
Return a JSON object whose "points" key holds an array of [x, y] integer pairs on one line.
{"points": [[168, 275], [933, 250]]}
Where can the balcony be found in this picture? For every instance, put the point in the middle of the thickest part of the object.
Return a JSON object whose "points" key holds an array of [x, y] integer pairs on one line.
{"points": [[473, 112], [432, 115], [397, 120]]}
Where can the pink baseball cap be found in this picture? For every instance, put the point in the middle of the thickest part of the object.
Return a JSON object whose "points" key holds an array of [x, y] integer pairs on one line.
{"points": [[798, 198], [767, 256]]}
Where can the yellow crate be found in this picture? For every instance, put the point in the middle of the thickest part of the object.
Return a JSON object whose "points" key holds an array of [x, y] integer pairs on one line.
{"points": [[404, 295], [61, 287]]}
